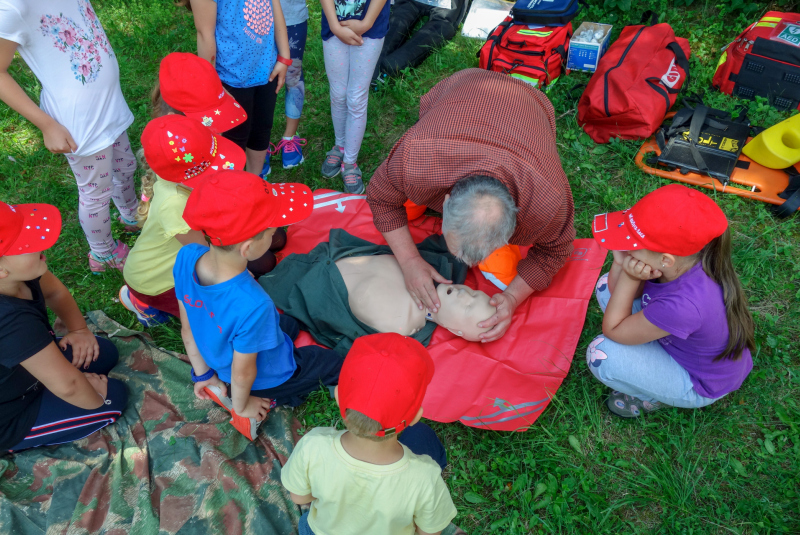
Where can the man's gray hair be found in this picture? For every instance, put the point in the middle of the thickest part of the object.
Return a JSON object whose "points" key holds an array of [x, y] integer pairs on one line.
{"points": [[480, 216]]}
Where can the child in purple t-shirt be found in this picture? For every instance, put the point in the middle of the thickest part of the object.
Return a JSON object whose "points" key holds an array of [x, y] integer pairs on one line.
{"points": [[677, 330]]}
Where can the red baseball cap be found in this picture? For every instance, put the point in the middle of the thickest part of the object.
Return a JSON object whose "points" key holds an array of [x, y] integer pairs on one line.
{"points": [[28, 228], [673, 219], [233, 206], [180, 149], [384, 377], [191, 85]]}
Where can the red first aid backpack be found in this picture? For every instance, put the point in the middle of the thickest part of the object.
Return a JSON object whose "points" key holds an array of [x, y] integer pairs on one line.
{"points": [[764, 61], [635, 84], [534, 55]]}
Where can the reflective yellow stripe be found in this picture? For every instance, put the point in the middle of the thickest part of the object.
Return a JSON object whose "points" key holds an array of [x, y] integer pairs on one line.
{"points": [[767, 24], [771, 19], [534, 33]]}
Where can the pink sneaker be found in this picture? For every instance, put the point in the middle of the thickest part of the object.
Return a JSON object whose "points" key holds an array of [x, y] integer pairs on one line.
{"points": [[115, 260]]}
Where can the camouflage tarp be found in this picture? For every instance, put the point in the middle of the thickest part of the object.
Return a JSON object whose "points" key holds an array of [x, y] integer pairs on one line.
{"points": [[171, 464]]}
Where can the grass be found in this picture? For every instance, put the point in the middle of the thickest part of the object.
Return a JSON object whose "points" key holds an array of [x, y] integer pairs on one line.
{"points": [[733, 467]]}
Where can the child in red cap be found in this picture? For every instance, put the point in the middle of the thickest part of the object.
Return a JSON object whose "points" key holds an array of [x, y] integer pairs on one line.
{"points": [[365, 480], [235, 338], [53, 390], [676, 330]]}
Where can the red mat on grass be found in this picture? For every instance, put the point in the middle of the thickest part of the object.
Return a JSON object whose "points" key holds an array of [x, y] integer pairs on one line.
{"points": [[503, 385]]}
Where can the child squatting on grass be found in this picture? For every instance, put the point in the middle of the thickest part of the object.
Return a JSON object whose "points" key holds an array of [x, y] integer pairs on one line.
{"points": [[364, 480], [234, 337], [53, 390], [676, 330]]}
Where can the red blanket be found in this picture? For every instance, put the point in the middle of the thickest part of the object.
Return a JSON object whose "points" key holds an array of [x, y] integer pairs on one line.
{"points": [[503, 385]]}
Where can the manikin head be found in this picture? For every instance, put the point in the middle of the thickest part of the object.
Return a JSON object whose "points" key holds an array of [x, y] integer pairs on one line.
{"points": [[462, 308]]}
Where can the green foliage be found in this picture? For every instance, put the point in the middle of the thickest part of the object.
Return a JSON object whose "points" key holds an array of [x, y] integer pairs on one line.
{"points": [[731, 467]]}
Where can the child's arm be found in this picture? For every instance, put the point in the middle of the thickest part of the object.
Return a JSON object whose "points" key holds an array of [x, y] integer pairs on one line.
{"points": [[56, 138], [84, 390], [243, 373], [84, 345], [193, 236], [198, 363], [205, 22], [619, 323], [345, 35], [420, 532], [362, 26], [616, 269], [282, 42], [301, 500]]}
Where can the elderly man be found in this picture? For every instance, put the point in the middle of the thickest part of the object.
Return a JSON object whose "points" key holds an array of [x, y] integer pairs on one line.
{"points": [[484, 153]]}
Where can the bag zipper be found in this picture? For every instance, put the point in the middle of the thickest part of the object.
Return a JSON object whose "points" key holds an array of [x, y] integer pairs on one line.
{"points": [[621, 59], [661, 92]]}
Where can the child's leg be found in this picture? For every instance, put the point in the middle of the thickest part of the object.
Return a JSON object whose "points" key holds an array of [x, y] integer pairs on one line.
{"points": [[362, 64], [59, 422], [95, 187], [295, 78], [315, 365], [337, 67], [422, 440], [264, 100], [123, 168]]}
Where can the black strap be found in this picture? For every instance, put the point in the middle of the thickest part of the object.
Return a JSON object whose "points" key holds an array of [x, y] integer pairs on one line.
{"points": [[649, 14], [791, 194], [683, 63], [698, 119]]}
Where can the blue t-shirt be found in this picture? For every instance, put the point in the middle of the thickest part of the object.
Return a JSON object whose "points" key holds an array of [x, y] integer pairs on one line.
{"points": [[234, 315], [356, 9], [246, 50]]}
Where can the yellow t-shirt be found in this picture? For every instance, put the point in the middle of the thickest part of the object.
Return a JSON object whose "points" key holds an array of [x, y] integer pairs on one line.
{"points": [[148, 269], [354, 497]]}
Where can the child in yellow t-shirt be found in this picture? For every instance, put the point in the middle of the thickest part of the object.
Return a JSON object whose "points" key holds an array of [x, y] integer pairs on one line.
{"points": [[364, 480]]}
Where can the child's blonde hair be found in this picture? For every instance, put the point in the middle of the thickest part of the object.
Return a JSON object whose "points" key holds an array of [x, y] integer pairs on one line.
{"points": [[363, 426], [148, 181]]}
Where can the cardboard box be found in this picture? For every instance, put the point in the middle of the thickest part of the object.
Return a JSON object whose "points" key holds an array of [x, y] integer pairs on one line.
{"points": [[584, 56]]}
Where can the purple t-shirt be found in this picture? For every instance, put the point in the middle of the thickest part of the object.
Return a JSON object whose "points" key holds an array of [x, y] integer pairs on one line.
{"points": [[691, 308]]}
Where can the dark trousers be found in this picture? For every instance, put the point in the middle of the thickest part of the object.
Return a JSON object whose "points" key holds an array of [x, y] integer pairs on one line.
{"points": [[59, 422], [316, 366], [259, 103], [401, 49], [422, 440]]}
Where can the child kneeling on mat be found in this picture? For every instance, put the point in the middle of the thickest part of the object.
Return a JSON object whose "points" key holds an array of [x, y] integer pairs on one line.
{"points": [[53, 390], [366, 479], [234, 336], [676, 331]]}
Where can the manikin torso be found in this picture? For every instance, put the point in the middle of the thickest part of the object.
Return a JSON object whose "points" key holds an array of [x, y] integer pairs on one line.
{"points": [[378, 297]]}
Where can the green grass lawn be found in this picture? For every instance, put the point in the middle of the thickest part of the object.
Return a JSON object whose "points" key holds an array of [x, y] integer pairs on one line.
{"points": [[733, 467]]}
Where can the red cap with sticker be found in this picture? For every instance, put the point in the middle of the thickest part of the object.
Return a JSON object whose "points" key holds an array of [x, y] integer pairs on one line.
{"points": [[180, 149], [192, 86], [28, 228], [233, 206]]}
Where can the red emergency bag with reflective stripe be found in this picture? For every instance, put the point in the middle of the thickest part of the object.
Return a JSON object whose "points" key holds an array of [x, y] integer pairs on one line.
{"points": [[636, 83], [764, 61]]}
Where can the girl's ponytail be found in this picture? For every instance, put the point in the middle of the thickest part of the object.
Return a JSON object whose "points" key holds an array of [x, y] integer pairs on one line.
{"points": [[716, 259], [148, 180]]}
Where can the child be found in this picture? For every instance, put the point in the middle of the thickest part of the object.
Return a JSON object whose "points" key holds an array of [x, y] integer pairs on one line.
{"points": [[676, 330], [363, 480], [247, 41], [180, 152], [290, 146], [232, 332], [83, 113], [352, 33], [44, 399]]}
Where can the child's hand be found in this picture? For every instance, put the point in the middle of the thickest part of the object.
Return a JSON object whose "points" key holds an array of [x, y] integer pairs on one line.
{"points": [[57, 139], [199, 391], [619, 256], [359, 27], [98, 382], [280, 71], [256, 408], [347, 35], [84, 347], [636, 269]]}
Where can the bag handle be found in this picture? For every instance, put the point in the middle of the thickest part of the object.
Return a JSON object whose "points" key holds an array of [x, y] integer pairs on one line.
{"points": [[649, 14], [683, 63]]}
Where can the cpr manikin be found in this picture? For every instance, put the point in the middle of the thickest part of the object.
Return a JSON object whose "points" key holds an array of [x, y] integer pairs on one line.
{"points": [[378, 297]]}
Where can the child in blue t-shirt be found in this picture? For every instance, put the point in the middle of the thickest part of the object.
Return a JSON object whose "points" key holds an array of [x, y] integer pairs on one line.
{"points": [[234, 336], [248, 43]]}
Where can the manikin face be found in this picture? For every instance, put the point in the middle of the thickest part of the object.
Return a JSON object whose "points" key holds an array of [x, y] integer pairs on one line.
{"points": [[462, 309]]}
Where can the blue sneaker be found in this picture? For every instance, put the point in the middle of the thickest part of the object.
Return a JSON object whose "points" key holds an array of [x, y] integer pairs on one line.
{"points": [[147, 315], [291, 153], [266, 170]]}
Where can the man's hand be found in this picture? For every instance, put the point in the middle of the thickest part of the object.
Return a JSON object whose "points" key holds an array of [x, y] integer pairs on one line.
{"points": [[419, 276], [638, 270], [359, 27], [98, 382], [280, 71], [85, 348], [347, 35], [57, 138], [199, 391], [501, 320], [256, 408]]}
